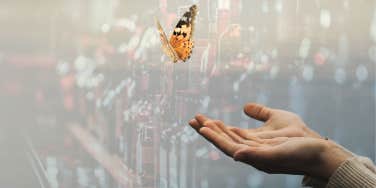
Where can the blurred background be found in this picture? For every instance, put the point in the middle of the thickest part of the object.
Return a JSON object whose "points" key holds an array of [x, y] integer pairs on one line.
{"points": [[89, 100]]}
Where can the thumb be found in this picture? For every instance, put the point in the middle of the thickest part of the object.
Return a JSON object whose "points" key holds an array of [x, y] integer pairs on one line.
{"points": [[257, 111]]}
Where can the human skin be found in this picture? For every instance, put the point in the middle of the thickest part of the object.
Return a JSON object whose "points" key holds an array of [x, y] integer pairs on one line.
{"points": [[283, 144]]}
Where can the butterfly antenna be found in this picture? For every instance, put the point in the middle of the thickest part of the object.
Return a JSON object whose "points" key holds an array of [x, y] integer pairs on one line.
{"points": [[193, 9]]}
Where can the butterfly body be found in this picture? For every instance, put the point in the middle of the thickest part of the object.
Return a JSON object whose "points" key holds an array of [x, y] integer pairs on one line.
{"points": [[180, 45]]}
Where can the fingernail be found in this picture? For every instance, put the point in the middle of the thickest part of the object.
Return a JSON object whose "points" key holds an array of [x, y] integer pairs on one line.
{"points": [[192, 121]]}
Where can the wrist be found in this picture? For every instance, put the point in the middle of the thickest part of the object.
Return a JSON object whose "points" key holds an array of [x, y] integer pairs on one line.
{"points": [[331, 157]]}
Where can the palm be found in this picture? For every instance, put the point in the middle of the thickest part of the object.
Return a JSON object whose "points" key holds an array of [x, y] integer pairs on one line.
{"points": [[277, 123], [282, 155]]}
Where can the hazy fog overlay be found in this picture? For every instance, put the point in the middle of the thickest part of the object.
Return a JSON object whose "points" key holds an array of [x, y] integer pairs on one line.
{"points": [[88, 99]]}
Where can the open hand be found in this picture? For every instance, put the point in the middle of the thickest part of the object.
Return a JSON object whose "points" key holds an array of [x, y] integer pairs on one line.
{"points": [[277, 123], [282, 145]]}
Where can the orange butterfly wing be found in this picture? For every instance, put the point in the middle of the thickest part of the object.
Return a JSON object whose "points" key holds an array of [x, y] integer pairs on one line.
{"points": [[181, 39], [166, 47]]}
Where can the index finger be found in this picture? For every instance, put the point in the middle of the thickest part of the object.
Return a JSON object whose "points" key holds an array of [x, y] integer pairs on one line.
{"points": [[194, 124], [227, 146], [201, 119]]}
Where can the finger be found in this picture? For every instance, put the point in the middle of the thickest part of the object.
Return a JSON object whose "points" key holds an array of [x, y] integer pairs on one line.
{"points": [[257, 129], [227, 146], [213, 126], [231, 134], [252, 143], [257, 111], [275, 141], [253, 130], [245, 134], [241, 132], [194, 124], [267, 134], [257, 157], [274, 134], [253, 155], [201, 119], [207, 122]]}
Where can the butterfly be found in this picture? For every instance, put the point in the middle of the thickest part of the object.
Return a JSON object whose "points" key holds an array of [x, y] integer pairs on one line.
{"points": [[180, 45]]}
